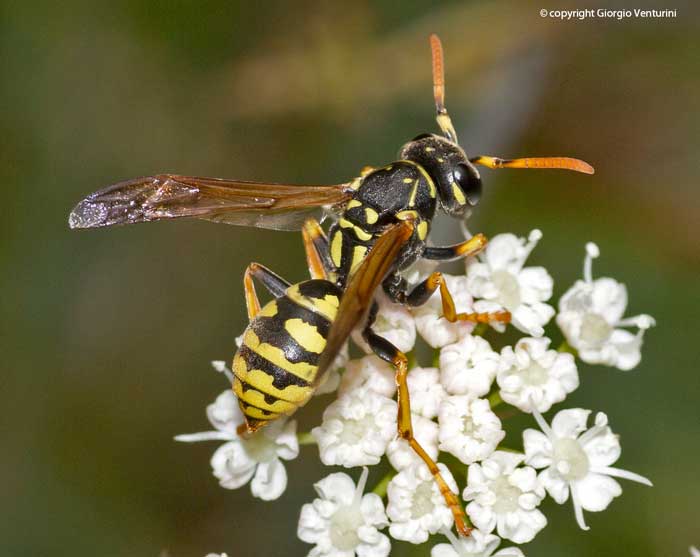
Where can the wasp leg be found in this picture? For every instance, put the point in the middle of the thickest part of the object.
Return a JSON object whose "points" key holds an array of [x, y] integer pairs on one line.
{"points": [[420, 294], [465, 249], [563, 163], [275, 284], [316, 246], [388, 352]]}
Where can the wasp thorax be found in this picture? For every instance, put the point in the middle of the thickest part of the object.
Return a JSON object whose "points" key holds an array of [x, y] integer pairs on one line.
{"points": [[457, 180]]}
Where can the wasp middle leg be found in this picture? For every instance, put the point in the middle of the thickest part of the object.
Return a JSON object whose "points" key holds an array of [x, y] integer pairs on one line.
{"points": [[389, 353]]}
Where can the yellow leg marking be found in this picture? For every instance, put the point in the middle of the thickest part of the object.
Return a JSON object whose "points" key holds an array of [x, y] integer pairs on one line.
{"points": [[405, 429], [448, 306], [563, 163], [337, 248], [312, 231], [471, 247], [251, 298]]}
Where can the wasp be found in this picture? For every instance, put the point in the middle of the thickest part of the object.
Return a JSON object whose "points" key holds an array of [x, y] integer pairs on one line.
{"points": [[381, 224]]}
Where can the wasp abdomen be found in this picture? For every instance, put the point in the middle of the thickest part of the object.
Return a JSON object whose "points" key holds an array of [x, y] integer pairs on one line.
{"points": [[276, 366]]}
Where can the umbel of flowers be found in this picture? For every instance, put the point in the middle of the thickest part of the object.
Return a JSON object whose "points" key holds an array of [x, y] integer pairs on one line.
{"points": [[460, 406]]}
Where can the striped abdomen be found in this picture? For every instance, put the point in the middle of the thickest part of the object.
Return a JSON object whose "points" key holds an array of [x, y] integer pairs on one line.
{"points": [[276, 366]]}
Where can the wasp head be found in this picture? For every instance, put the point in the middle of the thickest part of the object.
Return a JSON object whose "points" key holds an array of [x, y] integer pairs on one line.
{"points": [[457, 180]]}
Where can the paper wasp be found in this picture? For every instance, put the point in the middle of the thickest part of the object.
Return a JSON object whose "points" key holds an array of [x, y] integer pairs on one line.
{"points": [[382, 221]]}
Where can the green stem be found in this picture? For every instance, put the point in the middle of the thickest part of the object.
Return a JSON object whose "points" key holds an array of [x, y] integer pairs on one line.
{"points": [[480, 329], [380, 488], [436, 358], [566, 347], [495, 399], [305, 438]]}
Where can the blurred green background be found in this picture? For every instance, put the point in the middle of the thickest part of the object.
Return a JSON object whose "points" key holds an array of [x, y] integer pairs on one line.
{"points": [[107, 334]]}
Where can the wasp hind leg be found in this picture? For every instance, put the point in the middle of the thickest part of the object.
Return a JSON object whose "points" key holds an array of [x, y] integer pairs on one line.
{"points": [[470, 247], [388, 352], [275, 284]]}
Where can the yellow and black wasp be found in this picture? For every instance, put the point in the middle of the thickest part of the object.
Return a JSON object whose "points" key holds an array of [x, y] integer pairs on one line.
{"points": [[381, 225]]}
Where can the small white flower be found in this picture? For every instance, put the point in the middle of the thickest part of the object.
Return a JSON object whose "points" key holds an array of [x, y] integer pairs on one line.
{"points": [[343, 522], [477, 544], [531, 375], [356, 429], [331, 381], [416, 508], [505, 496], [370, 373], [498, 277], [468, 367], [217, 555], [400, 453], [694, 551], [425, 390], [577, 460], [239, 460], [591, 316], [394, 322], [468, 428], [432, 326]]}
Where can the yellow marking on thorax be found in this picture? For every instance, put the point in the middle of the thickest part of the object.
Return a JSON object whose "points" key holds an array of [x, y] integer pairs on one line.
{"points": [[366, 170], [306, 335], [431, 184], [353, 203], [337, 248], [269, 310], [371, 215], [457, 192], [257, 398], [429, 149], [407, 180], [356, 183], [262, 381], [358, 255], [422, 229], [275, 355], [359, 233], [326, 306], [414, 192], [440, 160], [407, 215]]}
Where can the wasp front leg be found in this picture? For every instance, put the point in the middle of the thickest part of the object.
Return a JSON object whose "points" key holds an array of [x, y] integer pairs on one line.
{"points": [[389, 353]]}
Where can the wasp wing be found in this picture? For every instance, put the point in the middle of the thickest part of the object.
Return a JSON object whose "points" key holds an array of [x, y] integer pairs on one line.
{"points": [[169, 196], [359, 294]]}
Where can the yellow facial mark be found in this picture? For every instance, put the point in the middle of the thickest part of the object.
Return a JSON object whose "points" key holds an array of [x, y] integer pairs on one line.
{"points": [[337, 248], [361, 234], [371, 215], [358, 255], [275, 355], [422, 230], [457, 192], [353, 203], [269, 310], [306, 335]]}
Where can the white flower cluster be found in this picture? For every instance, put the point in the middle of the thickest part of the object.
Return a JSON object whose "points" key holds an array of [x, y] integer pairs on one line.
{"points": [[454, 407]]}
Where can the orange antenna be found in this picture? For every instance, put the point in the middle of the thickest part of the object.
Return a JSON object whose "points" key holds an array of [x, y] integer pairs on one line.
{"points": [[443, 119], [563, 163]]}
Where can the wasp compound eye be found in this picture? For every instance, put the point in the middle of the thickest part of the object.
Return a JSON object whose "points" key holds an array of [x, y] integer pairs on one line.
{"points": [[469, 182]]}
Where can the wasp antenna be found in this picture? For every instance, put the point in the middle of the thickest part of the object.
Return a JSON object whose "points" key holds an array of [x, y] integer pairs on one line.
{"points": [[563, 163], [443, 119]]}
